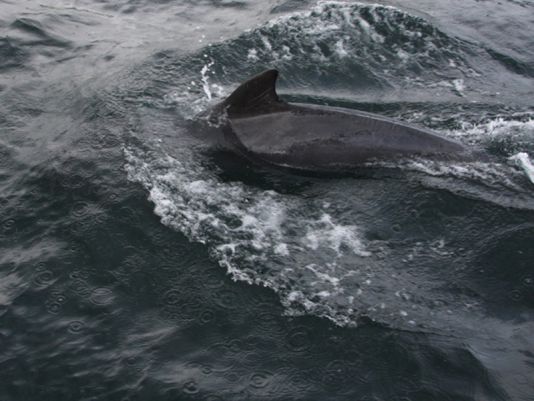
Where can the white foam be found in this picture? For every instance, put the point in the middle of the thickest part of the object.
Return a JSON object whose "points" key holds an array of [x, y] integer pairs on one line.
{"points": [[459, 85], [252, 55], [513, 127], [340, 49], [360, 33], [324, 232], [257, 235], [266, 43], [204, 79], [403, 55], [281, 249], [522, 160], [317, 262], [329, 32], [190, 101]]}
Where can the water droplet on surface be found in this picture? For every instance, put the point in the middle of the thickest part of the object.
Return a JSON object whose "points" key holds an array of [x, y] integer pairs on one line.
{"points": [[102, 296]]}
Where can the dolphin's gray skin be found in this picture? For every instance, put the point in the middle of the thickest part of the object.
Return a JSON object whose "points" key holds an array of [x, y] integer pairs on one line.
{"points": [[258, 125]]}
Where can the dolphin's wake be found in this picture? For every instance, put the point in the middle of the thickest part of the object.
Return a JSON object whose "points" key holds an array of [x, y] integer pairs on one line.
{"points": [[344, 249]]}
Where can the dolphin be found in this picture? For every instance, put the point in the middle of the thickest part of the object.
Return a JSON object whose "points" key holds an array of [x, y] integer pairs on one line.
{"points": [[257, 124]]}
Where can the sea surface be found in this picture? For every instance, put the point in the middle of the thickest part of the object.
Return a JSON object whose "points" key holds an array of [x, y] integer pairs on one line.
{"points": [[136, 264]]}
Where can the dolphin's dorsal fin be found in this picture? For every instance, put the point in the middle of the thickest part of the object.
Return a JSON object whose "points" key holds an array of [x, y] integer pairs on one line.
{"points": [[258, 94]]}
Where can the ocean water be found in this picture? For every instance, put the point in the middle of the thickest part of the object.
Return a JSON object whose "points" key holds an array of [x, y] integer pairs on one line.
{"points": [[136, 264]]}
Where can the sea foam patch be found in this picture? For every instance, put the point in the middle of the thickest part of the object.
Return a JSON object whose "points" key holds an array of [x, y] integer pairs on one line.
{"points": [[313, 254], [523, 161], [353, 45], [260, 236]]}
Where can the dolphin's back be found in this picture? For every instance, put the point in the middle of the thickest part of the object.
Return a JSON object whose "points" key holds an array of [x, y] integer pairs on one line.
{"points": [[329, 138], [260, 125]]}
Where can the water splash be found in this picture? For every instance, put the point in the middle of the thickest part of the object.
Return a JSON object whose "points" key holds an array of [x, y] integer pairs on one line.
{"points": [[522, 160]]}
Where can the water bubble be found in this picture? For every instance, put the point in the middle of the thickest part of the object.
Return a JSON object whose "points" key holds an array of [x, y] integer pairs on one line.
{"points": [[207, 316], [131, 360], [212, 282], [43, 278], [53, 307], [235, 346], [172, 297], [516, 295], [414, 213], [78, 274], [260, 379], [227, 299], [8, 227], [80, 287], [232, 377], [171, 315], [207, 370], [267, 320], [41, 266], [80, 209], [110, 196], [102, 296], [190, 387], [60, 299], [299, 339], [76, 326]]}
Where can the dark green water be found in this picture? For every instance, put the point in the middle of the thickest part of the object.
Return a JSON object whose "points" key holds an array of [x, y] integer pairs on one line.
{"points": [[137, 265]]}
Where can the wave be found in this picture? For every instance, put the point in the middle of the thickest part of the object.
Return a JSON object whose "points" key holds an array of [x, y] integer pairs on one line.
{"points": [[359, 45], [334, 47], [335, 252], [318, 251], [259, 236]]}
